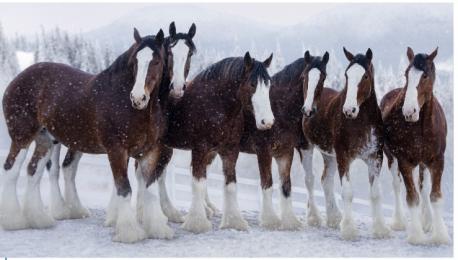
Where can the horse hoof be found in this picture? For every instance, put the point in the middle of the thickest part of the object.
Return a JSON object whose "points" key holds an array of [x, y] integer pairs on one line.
{"points": [[269, 221], [60, 212], [333, 220], [234, 222], [398, 225], [440, 239], [160, 232], [78, 212], [209, 212], [129, 234], [38, 219], [348, 230], [290, 223], [417, 239], [14, 222], [314, 220], [196, 224], [381, 231]]}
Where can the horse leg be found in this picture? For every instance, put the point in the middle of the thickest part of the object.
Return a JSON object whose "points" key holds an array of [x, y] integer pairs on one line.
{"points": [[210, 208], [11, 217], [313, 214], [231, 212], [439, 230], [398, 215], [415, 233], [425, 203], [374, 164], [70, 166], [154, 221], [327, 181], [268, 218], [112, 209], [167, 207], [34, 211], [127, 229], [59, 210], [288, 220], [348, 229], [196, 220]]}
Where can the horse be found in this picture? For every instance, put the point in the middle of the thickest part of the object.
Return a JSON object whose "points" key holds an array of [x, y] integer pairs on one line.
{"points": [[344, 126], [283, 138], [91, 114], [208, 120], [179, 48], [415, 135]]}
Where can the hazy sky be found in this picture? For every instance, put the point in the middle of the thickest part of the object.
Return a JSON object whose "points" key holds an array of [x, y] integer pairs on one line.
{"points": [[80, 17]]}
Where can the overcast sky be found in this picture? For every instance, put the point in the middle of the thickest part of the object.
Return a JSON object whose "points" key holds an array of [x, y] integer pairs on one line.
{"points": [[80, 17]]}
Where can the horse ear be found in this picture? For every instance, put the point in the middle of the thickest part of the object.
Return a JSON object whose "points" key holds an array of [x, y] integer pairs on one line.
{"points": [[159, 39], [192, 30], [172, 29], [348, 54], [325, 58], [307, 57], [248, 60], [410, 54], [268, 60], [433, 54], [369, 54], [137, 36]]}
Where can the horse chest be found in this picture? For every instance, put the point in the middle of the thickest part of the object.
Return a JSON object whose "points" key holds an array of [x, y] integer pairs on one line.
{"points": [[369, 145]]}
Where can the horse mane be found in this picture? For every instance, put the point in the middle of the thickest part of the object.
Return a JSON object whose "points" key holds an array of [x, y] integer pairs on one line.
{"points": [[120, 62], [290, 72], [232, 69]]}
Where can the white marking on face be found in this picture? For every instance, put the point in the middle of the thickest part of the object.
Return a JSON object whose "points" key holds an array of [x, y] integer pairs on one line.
{"points": [[351, 107], [411, 108], [138, 95], [314, 78], [261, 106], [180, 55]]}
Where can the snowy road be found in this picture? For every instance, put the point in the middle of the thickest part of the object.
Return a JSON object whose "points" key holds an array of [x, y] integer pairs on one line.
{"points": [[89, 238]]}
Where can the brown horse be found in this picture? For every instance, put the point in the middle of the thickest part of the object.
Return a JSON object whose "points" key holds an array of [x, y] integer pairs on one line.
{"points": [[92, 114], [179, 48], [285, 136], [208, 120], [348, 125], [415, 135]]}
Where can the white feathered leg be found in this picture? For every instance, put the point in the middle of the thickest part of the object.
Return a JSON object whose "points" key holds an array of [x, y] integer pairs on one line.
{"points": [[59, 210], [439, 231], [380, 229], [11, 217], [347, 225], [154, 220], [167, 207], [71, 195], [196, 220], [425, 202], [415, 233], [231, 212], [313, 215], [112, 209], [333, 215], [398, 222], [268, 218], [127, 229]]}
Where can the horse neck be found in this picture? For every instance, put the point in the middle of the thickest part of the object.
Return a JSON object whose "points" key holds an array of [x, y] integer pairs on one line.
{"points": [[120, 73], [426, 112]]}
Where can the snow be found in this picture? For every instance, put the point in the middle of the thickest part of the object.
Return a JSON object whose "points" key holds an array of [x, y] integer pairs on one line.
{"points": [[88, 237], [25, 59]]}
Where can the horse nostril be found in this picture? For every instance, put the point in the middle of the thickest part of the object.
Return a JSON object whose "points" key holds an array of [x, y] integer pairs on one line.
{"points": [[144, 98], [353, 110], [263, 122], [171, 86], [184, 87], [414, 110]]}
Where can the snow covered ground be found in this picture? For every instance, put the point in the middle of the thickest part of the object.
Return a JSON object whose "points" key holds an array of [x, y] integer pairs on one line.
{"points": [[88, 237]]}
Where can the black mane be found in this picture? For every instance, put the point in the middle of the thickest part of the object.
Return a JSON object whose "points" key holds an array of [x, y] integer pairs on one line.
{"points": [[290, 72]]}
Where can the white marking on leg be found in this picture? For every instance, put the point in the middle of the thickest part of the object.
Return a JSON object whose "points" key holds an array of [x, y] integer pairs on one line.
{"points": [[289, 220], [127, 229], [139, 96], [399, 220], [439, 230], [261, 106], [58, 208], [332, 210], [425, 202], [347, 225], [11, 217], [268, 217], [355, 74], [141, 189], [180, 55], [34, 211], [231, 212], [71, 195], [112, 209], [169, 210], [196, 220], [380, 229], [313, 79], [415, 234], [411, 108], [154, 220], [313, 215]]}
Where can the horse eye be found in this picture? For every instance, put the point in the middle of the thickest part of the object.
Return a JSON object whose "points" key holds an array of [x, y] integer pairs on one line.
{"points": [[425, 76], [366, 77]]}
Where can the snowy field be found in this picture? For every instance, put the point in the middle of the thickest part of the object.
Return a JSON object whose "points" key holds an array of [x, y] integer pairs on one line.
{"points": [[88, 237]]}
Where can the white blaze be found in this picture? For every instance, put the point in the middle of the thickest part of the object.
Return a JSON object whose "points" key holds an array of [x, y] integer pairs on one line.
{"points": [[144, 57], [261, 106], [354, 74], [180, 54], [314, 77], [411, 98]]}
